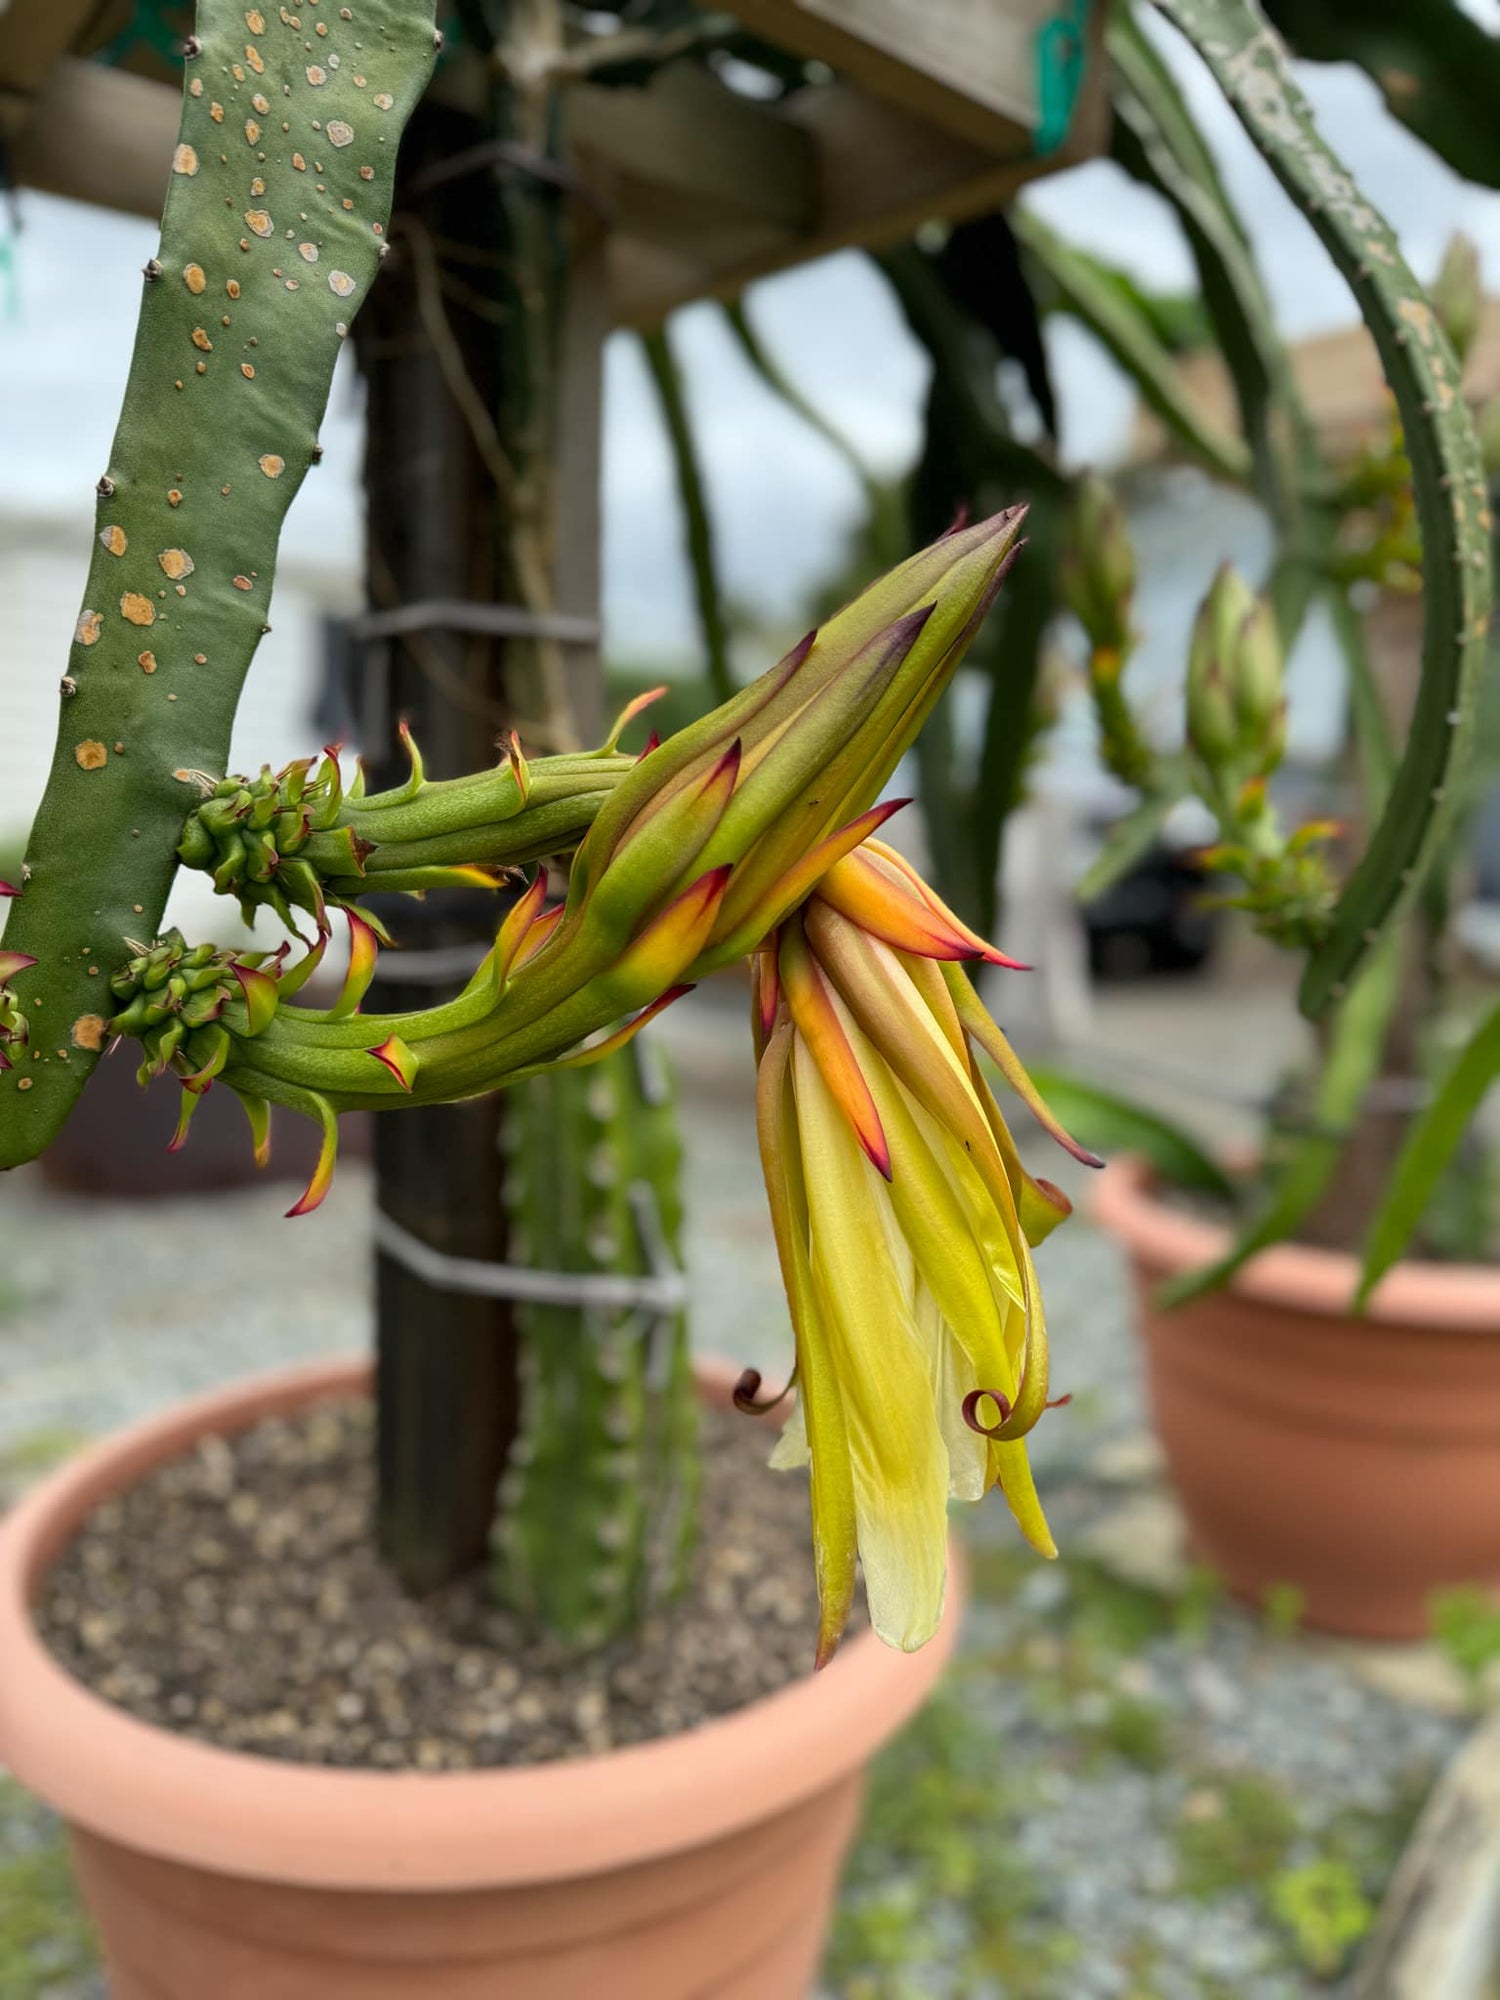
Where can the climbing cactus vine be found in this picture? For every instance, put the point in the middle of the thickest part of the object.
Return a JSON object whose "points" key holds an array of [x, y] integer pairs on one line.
{"points": [[1452, 497], [271, 235]]}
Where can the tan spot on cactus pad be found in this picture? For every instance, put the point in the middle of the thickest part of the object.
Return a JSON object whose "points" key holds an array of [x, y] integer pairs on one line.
{"points": [[341, 283], [193, 278], [247, 370], [367, 173], [316, 75], [243, 583], [175, 563], [299, 163], [200, 659], [216, 112], [195, 88], [308, 252], [201, 341], [233, 288], [292, 285], [87, 630], [137, 610], [257, 186], [338, 133], [146, 662], [253, 57], [255, 21], [237, 72], [90, 756], [184, 160], [252, 132], [174, 496], [271, 465], [257, 221], [260, 104], [88, 1031], [384, 100], [113, 539]]}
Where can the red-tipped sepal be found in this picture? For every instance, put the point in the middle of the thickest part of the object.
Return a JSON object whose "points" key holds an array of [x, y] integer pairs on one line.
{"points": [[259, 992], [364, 952], [313, 1194], [394, 1054], [596, 1051]]}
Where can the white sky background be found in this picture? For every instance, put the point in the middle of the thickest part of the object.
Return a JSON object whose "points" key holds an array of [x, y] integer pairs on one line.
{"points": [[782, 499]]}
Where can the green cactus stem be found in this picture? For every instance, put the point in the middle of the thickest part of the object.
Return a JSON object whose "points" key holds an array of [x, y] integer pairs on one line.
{"points": [[1448, 474], [294, 839], [277, 202], [597, 1515]]}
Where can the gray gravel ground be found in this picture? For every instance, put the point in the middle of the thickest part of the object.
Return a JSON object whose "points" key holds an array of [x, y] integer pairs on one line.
{"points": [[1121, 1777]]}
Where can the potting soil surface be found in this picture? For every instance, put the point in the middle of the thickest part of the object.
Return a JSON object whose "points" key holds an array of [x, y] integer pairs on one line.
{"points": [[236, 1596]]}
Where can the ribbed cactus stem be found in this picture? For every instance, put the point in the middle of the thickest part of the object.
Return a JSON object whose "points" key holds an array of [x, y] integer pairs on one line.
{"points": [[1249, 63], [278, 198], [597, 1508]]}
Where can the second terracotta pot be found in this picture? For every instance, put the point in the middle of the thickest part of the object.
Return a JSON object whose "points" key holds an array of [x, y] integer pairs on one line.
{"points": [[700, 1867], [1358, 1459]]}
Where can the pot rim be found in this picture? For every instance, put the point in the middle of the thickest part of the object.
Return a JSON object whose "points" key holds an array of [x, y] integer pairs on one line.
{"points": [[260, 1817], [1452, 1298]]}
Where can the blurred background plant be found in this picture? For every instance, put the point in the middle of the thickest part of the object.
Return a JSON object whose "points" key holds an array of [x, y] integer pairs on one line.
{"points": [[1370, 1144]]}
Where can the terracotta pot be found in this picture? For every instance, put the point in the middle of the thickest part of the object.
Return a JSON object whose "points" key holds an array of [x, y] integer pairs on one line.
{"points": [[1358, 1459], [704, 1864]]}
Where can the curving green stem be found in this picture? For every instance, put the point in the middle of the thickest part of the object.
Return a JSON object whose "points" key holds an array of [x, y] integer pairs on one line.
{"points": [[272, 231], [1249, 63]]}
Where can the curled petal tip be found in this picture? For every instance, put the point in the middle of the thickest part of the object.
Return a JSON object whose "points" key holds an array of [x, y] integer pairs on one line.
{"points": [[652, 742], [747, 1396], [9, 889], [975, 1421], [12, 962]]}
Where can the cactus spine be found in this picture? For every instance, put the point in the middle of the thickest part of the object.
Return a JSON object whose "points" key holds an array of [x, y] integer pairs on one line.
{"points": [[271, 235], [1447, 472], [597, 1514]]}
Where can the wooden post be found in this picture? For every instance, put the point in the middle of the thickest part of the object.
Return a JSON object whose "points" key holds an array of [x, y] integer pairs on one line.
{"points": [[445, 1362]]}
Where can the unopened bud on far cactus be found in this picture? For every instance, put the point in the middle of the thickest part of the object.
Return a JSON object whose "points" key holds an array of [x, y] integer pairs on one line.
{"points": [[1235, 708], [1259, 688], [1098, 573], [1487, 423], [1456, 292]]}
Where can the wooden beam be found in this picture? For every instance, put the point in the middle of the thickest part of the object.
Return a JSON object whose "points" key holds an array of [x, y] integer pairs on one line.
{"points": [[970, 67], [33, 39], [703, 189], [881, 172], [684, 159], [99, 135]]}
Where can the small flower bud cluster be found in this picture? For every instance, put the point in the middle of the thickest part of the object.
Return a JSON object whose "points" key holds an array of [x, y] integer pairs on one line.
{"points": [[1236, 733], [1098, 583], [1236, 709], [251, 833]]}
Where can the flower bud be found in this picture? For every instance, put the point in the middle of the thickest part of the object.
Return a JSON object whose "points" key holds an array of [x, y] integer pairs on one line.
{"points": [[1456, 293], [1098, 574], [1212, 725], [773, 774], [1259, 699], [1236, 710], [1487, 423]]}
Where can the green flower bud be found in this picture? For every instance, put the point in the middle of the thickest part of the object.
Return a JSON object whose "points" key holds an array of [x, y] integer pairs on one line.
{"points": [[1098, 574], [1259, 697], [1212, 721], [1456, 294], [1487, 423]]}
